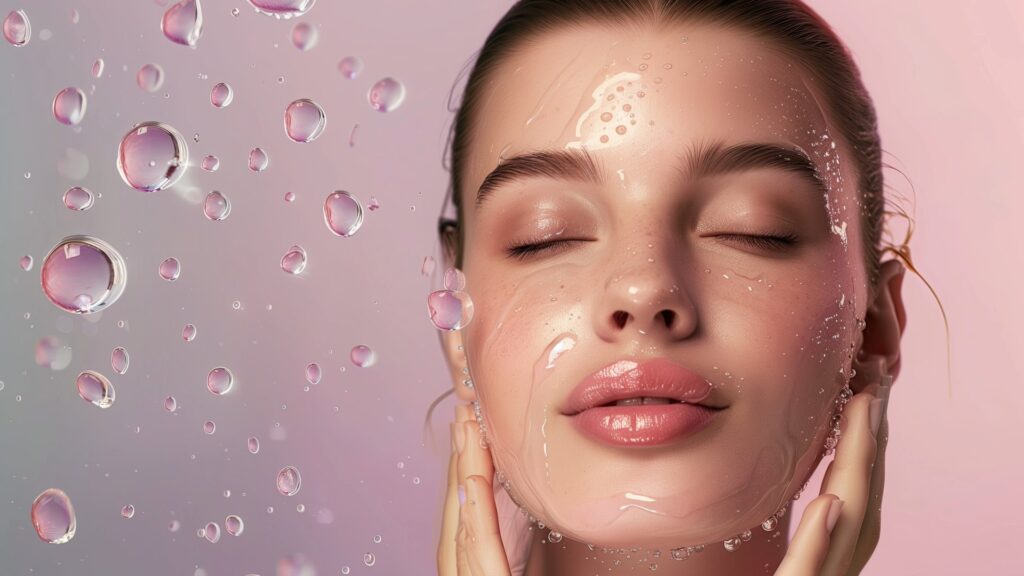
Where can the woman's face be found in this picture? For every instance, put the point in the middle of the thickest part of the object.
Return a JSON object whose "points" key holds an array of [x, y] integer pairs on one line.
{"points": [[648, 257]]}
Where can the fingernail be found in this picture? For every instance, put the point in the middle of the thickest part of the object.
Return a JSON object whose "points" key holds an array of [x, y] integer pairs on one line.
{"points": [[833, 514], [876, 415], [462, 494], [460, 437]]}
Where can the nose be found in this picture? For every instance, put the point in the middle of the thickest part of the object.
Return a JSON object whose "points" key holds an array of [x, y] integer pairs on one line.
{"points": [[646, 302]]}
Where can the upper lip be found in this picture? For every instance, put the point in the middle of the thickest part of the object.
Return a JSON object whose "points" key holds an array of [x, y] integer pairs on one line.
{"points": [[656, 377]]}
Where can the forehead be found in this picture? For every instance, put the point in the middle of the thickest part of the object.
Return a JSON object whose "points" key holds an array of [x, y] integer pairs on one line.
{"points": [[635, 97]]}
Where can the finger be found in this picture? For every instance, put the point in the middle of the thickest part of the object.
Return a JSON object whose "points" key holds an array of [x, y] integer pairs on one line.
{"points": [[810, 543], [475, 458], [446, 549], [483, 548], [850, 480], [871, 531]]}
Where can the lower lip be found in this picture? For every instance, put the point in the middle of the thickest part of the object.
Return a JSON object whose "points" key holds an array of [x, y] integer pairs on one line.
{"points": [[643, 425]]}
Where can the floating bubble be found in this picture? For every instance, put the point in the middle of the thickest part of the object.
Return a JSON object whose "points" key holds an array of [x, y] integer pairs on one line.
{"points": [[253, 444], [82, 275], [152, 156], [386, 95], [343, 213], [304, 120], [428, 266], [94, 388], [170, 404], [369, 559], [289, 481], [234, 525], [212, 532], [150, 77], [450, 309], [210, 163], [119, 360], [53, 516], [454, 279], [294, 261], [289, 196], [183, 23], [174, 526], [363, 356], [78, 198], [52, 353], [97, 68], [209, 427], [373, 204], [170, 269], [350, 67], [128, 511], [220, 380], [313, 373], [188, 333], [26, 262], [283, 9], [258, 160], [304, 36], [17, 28], [221, 95], [69, 106], [216, 206]]}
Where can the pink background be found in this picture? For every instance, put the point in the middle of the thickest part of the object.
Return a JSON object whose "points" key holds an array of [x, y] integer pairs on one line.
{"points": [[946, 80]]}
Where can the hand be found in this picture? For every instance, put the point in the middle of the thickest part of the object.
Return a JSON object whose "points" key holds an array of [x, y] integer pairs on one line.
{"points": [[470, 541], [853, 482]]}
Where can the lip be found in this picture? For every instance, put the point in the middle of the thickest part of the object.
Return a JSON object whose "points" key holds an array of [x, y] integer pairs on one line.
{"points": [[643, 424]]}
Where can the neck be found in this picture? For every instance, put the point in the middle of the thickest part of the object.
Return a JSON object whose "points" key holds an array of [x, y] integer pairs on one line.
{"points": [[762, 554]]}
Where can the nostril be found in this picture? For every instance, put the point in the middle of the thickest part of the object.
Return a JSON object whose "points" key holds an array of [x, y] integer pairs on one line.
{"points": [[670, 317], [620, 318]]}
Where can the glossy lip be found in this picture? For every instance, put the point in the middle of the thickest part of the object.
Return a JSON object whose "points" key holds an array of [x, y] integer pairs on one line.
{"points": [[656, 377]]}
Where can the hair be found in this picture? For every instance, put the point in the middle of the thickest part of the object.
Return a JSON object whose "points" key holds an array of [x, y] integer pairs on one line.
{"points": [[790, 24]]}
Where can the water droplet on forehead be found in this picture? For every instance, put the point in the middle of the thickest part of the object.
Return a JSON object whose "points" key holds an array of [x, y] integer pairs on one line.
{"points": [[152, 156], [94, 388], [17, 28], [69, 106], [82, 275], [304, 120], [283, 9], [53, 516], [183, 23]]}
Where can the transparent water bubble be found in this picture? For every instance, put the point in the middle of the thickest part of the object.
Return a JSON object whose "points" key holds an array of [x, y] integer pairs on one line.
{"points": [[313, 373], [220, 380], [83, 275], [304, 36], [150, 77], [253, 444], [289, 481], [343, 213], [26, 262], [350, 67], [212, 532], [128, 511], [363, 356], [294, 260], [152, 156], [97, 68], [386, 94], [170, 269], [221, 95], [209, 427], [170, 404], [770, 524], [454, 279], [283, 9], [345, 570], [216, 207], [210, 163], [188, 333], [369, 559], [234, 525], [53, 516], [300, 508], [17, 28], [183, 23], [119, 360], [50, 352], [304, 120], [94, 388], [69, 106], [554, 537], [450, 309], [78, 198], [258, 160]]}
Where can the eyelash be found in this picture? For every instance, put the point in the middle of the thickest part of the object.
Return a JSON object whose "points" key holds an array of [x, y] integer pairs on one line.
{"points": [[766, 241]]}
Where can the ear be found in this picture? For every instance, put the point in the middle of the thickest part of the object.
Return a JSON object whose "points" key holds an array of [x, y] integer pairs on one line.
{"points": [[886, 320], [451, 345]]}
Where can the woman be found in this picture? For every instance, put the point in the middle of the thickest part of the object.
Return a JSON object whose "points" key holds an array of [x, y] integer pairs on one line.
{"points": [[668, 217]]}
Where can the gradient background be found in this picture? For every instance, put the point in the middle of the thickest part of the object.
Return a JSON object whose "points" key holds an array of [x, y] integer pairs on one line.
{"points": [[946, 79]]}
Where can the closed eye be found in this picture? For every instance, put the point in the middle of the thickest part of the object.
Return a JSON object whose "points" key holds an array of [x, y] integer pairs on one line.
{"points": [[524, 251], [765, 241]]}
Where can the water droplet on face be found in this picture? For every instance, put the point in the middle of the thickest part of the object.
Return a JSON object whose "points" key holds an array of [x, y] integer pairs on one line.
{"points": [[94, 388], [289, 481], [82, 275], [294, 260], [170, 404], [554, 537], [53, 516], [17, 28], [304, 36], [119, 360], [216, 207], [449, 309], [26, 262], [150, 77], [212, 532], [234, 525], [78, 198], [343, 213], [221, 95], [97, 68], [258, 160], [283, 9], [152, 156], [69, 106], [363, 356], [304, 120], [386, 95], [219, 381], [253, 444], [210, 163], [313, 373], [188, 333], [170, 269], [350, 67], [183, 23], [128, 511]]}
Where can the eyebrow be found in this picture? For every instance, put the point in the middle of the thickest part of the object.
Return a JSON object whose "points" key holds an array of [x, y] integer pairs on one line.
{"points": [[702, 160]]}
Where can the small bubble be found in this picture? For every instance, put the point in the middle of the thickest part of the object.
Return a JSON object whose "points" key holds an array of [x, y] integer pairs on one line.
{"points": [[128, 511]]}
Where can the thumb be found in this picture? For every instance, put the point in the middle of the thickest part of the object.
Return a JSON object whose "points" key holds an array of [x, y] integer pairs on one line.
{"points": [[514, 528]]}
